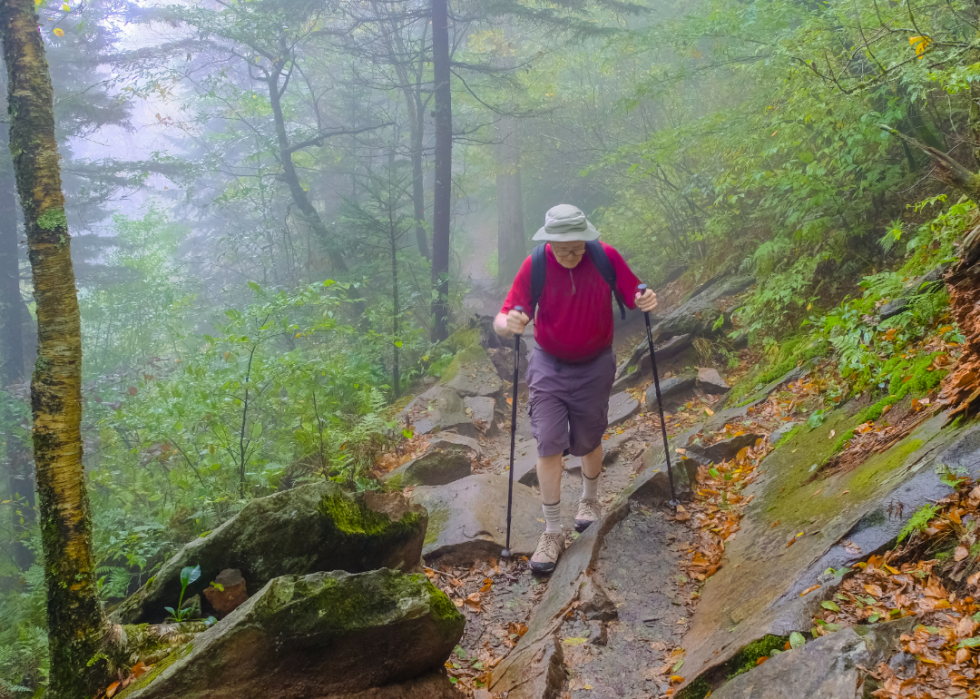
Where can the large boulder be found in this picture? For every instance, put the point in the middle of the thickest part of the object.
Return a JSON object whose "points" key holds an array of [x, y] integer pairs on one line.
{"points": [[448, 458], [439, 408], [317, 527], [471, 373], [314, 636], [468, 519]]}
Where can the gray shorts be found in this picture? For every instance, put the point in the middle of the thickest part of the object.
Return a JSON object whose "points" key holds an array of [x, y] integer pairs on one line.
{"points": [[569, 403]]}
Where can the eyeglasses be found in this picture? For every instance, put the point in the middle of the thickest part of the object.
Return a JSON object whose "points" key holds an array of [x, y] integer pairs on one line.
{"points": [[568, 252]]}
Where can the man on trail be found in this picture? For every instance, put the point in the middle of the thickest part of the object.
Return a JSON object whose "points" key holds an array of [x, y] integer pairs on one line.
{"points": [[570, 279]]}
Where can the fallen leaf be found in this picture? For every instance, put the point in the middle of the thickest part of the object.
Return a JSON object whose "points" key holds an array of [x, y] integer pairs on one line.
{"points": [[809, 590], [961, 553], [113, 688], [574, 641]]}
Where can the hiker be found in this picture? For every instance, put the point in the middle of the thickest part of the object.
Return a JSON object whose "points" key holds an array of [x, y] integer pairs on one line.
{"points": [[569, 279]]}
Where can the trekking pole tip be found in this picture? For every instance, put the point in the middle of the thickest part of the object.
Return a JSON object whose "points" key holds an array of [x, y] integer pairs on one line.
{"points": [[505, 553], [674, 503]]}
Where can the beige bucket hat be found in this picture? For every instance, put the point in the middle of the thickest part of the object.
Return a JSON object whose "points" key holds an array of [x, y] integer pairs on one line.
{"points": [[565, 223]]}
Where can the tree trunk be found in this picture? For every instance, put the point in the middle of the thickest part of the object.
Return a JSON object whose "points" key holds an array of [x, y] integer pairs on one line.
{"points": [[945, 169], [76, 623], [418, 185], [300, 198], [13, 369], [442, 196], [511, 242]]}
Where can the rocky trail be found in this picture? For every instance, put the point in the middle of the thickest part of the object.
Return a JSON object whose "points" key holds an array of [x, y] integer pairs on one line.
{"points": [[729, 594]]}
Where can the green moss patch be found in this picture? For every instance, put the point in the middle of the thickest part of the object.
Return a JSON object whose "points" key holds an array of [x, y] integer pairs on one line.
{"points": [[472, 355], [157, 670]]}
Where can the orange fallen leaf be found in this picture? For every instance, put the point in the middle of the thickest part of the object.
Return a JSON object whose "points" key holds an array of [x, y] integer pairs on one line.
{"points": [[961, 553], [809, 590], [113, 688]]}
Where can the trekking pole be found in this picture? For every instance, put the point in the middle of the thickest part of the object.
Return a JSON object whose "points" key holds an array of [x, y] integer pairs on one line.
{"points": [[674, 502], [513, 432]]}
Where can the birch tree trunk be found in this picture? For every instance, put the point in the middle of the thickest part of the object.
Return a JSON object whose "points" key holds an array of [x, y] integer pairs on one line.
{"points": [[76, 623]]}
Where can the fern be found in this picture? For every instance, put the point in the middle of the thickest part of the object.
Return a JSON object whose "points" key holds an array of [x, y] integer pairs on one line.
{"points": [[918, 522]]}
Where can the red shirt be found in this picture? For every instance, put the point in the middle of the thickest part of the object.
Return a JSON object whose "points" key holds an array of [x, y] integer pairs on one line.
{"points": [[574, 320]]}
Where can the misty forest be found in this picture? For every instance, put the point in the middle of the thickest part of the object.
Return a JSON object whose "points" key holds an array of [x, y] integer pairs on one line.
{"points": [[260, 437]]}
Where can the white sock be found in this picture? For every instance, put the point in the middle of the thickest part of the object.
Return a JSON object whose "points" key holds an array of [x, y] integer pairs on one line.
{"points": [[590, 487], [552, 518]]}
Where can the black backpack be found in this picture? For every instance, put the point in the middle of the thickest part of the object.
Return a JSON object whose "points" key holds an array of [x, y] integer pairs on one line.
{"points": [[599, 258]]}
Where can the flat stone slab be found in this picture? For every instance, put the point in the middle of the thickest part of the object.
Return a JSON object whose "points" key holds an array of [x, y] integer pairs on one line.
{"points": [[710, 381], [671, 390], [622, 407], [468, 519], [439, 408], [744, 601], [472, 373]]}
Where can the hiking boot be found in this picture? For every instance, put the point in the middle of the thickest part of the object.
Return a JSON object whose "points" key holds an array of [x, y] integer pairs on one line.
{"points": [[588, 512], [546, 555]]}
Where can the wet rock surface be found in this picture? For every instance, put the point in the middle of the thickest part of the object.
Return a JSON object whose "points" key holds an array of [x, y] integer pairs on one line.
{"points": [[825, 668], [311, 636], [743, 601], [622, 407], [650, 609], [317, 527], [468, 519]]}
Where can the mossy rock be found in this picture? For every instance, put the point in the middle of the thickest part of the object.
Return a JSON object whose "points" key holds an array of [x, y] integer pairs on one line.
{"points": [[472, 373], [313, 528], [317, 635], [439, 408], [438, 466]]}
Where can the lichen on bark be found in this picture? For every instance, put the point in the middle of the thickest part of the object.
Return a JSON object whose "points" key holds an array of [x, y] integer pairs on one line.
{"points": [[76, 624]]}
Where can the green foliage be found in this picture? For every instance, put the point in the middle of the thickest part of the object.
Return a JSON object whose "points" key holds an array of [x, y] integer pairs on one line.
{"points": [[188, 575], [918, 522]]}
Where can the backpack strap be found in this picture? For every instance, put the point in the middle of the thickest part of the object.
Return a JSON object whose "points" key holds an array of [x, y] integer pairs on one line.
{"points": [[539, 269], [601, 261]]}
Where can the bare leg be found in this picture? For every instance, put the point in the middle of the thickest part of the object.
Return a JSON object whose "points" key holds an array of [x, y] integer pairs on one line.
{"points": [[549, 478], [592, 463]]}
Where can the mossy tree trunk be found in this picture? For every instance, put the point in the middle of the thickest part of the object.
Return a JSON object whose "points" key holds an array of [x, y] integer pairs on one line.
{"points": [[76, 623]]}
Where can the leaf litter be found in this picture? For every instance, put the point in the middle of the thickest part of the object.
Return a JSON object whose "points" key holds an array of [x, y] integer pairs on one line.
{"points": [[934, 577]]}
